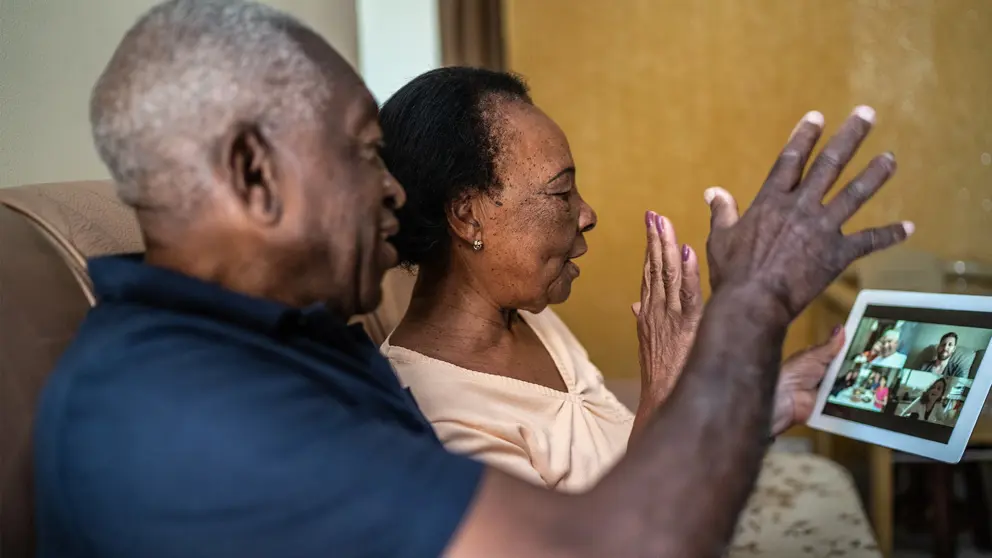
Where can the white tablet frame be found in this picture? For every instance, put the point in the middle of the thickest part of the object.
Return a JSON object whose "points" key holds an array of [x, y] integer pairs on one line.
{"points": [[950, 452]]}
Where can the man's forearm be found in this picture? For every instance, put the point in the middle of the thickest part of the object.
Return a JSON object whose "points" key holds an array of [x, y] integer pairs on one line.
{"points": [[712, 431]]}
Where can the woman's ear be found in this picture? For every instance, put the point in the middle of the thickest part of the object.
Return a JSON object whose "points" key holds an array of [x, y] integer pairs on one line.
{"points": [[249, 164], [465, 217]]}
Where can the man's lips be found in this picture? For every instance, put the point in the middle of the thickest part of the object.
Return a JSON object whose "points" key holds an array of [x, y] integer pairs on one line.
{"points": [[389, 229]]}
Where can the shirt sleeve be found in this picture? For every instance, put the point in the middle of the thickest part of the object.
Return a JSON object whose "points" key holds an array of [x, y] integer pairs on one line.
{"points": [[497, 452], [259, 467], [963, 365]]}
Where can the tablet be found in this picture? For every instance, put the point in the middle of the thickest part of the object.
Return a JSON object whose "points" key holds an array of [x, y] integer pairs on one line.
{"points": [[912, 375]]}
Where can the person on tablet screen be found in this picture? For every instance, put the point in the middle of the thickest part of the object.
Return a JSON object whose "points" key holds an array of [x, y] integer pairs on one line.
{"points": [[929, 405], [946, 360], [875, 381], [881, 394], [845, 382], [884, 353]]}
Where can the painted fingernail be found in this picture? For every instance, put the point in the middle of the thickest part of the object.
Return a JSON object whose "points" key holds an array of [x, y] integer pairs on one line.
{"points": [[685, 252], [648, 217], [866, 113], [659, 222], [909, 227], [836, 331]]}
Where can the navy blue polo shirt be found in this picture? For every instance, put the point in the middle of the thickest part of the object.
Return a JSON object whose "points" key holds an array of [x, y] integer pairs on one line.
{"points": [[186, 420]]}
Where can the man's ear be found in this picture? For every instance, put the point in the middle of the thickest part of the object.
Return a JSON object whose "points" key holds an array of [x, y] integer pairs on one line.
{"points": [[251, 169], [465, 217]]}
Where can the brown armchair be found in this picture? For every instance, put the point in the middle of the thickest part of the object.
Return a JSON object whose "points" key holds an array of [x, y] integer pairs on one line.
{"points": [[46, 233]]}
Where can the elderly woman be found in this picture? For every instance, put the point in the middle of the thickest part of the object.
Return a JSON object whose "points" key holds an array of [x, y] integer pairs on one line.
{"points": [[495, 225]]}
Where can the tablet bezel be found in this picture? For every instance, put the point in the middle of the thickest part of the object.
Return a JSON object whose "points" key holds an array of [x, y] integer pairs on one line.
{"points": [[952, 451]]}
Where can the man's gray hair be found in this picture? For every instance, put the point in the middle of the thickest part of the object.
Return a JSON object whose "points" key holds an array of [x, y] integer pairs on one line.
{"points": [[891, 334], [186, 74]]}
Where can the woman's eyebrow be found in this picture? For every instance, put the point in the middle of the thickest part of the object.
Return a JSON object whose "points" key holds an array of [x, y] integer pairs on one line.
{"points": [[561, 173]]}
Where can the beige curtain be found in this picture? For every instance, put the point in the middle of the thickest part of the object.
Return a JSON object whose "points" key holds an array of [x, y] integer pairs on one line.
{"points": [[472, 33]]}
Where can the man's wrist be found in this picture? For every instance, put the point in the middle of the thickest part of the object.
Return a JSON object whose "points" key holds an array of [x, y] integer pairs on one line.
{"points": [[760, 305]]}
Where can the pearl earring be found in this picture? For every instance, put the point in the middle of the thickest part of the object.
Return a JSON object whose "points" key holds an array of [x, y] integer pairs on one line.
{"points": [[477, 245]]}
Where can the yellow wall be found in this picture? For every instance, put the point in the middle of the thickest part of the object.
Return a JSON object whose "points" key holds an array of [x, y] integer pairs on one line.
{"points": [[661, 99]]}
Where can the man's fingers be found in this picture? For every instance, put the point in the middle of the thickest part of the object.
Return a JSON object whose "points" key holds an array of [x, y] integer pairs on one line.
{"points": [[872, 240], [691, 293], [827, 166], [671, 275], [788, 168], [723, 208], [861, 189]]}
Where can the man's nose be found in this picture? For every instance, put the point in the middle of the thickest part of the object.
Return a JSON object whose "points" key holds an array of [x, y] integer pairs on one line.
{"points": [[395, 194]]}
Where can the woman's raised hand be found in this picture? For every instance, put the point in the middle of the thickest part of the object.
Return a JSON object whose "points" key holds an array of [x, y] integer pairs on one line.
{"points": [[668, 313]]}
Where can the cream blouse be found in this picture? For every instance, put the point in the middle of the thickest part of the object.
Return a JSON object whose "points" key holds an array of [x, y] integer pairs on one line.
{"points": [[565, 441]]}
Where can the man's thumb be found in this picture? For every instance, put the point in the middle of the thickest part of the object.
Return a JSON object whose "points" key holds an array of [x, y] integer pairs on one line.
{"points": [[723, 208]]}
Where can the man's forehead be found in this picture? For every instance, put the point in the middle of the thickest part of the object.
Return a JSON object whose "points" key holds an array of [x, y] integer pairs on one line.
{"points": [[360, 109]]}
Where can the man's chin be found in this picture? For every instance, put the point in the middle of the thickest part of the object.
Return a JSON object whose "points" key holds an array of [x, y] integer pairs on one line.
{"points": [[370, 298]]}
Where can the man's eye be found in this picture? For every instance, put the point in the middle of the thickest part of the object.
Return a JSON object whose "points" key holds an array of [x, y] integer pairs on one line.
{"points": [[374, 155]]}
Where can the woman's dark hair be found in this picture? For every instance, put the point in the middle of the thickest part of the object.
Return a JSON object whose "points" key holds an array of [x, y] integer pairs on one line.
{"points": [[440, 144]]}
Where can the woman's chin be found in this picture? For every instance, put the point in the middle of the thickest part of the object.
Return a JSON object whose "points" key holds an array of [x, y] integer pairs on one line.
{"points": [[561, 290]]}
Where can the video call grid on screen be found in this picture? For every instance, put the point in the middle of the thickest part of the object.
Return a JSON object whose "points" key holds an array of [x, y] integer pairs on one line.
{"points": [[910, 370]]}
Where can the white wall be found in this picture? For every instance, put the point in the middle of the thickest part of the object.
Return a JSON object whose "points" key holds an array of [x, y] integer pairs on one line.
{"points": [[51, 53], [398, 40]]}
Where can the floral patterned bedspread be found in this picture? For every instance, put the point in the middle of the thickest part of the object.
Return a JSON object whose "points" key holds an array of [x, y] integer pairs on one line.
{"points": [[804, 506]]}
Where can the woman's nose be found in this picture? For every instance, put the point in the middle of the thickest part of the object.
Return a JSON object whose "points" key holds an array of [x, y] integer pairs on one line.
{"points": [[587, 217]]}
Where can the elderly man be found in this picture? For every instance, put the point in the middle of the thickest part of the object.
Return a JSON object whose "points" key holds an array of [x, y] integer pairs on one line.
{"points": [[215, 403], [885, 350]]}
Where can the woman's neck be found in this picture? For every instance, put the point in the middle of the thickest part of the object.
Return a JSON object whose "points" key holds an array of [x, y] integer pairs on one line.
{"points": [[450, 308]]}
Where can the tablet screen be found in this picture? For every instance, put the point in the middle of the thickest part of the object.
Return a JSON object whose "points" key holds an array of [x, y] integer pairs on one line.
{"points": [[910, 370]]}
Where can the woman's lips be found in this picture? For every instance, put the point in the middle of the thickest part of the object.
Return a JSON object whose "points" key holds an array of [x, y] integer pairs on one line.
{"points": [[573, 267]]}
